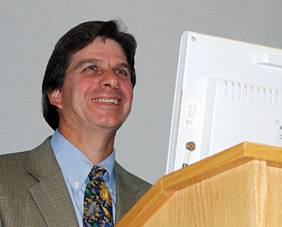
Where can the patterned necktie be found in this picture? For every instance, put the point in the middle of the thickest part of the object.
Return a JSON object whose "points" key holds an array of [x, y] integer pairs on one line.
{"points": [[97, 201]]}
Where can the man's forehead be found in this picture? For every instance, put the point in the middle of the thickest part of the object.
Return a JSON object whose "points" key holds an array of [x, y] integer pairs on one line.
{"points": [[100, 46]]}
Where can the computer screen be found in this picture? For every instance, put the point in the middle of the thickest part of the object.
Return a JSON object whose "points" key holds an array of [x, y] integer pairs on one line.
{"points": [[226, 92]]}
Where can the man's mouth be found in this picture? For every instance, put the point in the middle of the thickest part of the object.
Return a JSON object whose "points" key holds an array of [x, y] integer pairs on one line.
{"points": [[108, 101]]}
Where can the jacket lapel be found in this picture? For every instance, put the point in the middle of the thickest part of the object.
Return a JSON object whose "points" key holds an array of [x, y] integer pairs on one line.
{"points": [[50, 194], [126, 192]]}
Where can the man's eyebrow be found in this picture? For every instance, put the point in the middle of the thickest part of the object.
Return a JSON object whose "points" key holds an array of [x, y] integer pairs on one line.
{"points": [[96, 61], [124, 65], [86, 61]]}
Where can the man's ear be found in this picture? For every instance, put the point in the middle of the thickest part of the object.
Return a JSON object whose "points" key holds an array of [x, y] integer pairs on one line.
{"points": [[55, 98]]}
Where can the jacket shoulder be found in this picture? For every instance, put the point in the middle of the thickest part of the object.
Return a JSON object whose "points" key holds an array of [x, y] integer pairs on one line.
{"points": [[17, 161]]}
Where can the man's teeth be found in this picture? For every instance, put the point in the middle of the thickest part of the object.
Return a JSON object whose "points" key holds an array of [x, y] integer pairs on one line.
{"points": [[111, 101]]}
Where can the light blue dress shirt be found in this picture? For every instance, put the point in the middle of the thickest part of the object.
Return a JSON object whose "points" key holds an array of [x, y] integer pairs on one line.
{"points": [[76, 167]]}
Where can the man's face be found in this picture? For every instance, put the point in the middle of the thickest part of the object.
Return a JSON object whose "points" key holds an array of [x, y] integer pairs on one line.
{"points": [[97, 92]]}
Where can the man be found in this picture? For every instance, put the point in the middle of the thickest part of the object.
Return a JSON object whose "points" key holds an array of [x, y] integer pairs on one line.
{"points": [[87, 94]]}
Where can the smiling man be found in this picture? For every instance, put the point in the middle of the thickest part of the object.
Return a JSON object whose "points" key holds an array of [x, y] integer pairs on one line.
{"points": [[72, 179]]}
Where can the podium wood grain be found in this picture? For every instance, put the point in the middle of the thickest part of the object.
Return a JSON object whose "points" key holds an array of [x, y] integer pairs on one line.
{"points": [[241, 186]]}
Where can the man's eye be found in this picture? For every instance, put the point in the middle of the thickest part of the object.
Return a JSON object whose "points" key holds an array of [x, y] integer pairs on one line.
{"points": [[91, 67], [122, 71]]}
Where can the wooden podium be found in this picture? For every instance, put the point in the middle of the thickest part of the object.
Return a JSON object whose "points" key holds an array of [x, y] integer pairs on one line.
{"points": [[241, 186]]}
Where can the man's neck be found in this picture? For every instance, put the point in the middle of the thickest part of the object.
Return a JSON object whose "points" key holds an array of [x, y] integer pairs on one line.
{"points": [[97, 146]]}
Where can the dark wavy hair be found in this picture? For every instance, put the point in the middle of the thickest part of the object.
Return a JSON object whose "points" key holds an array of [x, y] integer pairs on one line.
{"points": [[74, 40]]}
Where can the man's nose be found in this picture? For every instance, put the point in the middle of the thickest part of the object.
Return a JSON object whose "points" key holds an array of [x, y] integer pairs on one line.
{"points": [[110, 80]]}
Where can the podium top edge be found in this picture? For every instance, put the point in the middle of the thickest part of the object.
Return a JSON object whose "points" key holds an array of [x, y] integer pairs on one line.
{"points": [[220, 162]]}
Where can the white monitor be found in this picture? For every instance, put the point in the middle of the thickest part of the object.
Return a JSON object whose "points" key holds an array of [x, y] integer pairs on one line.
{"points": [[227, 92]]}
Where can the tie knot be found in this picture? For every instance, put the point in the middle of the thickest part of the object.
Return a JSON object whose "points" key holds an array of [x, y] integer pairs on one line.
{"points": [[96, 172]]}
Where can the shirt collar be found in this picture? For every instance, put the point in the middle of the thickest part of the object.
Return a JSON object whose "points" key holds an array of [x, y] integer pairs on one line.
{"points": [[74, 164]]}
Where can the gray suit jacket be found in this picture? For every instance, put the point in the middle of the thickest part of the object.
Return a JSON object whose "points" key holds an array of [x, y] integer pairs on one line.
{"points": [[33, 190]]}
